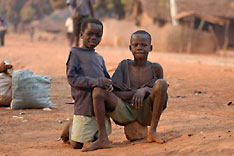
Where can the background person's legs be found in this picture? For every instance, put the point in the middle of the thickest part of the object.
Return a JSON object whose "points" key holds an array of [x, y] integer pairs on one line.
{"points": [[2, 36], [77, 21]]}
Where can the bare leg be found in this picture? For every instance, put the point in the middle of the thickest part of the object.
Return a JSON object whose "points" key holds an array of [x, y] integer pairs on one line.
{"points": [[76, 145], [158, 96], [65, 133], [66, 136], [99, 98]]}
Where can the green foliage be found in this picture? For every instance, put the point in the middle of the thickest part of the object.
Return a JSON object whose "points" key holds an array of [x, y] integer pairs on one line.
{"points": [[128, 4], [28, 12], [16, 11], [58, 4]]}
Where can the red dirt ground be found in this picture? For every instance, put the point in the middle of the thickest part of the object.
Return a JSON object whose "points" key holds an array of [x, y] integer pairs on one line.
{"points": [[198, 120]]}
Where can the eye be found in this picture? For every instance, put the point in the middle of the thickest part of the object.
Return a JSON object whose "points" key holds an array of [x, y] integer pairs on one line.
{"points": [[135, 45], [99, 35], [144, 45], [90, 33]]}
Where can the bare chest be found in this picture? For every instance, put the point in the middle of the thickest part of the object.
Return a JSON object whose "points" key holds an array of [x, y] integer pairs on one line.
{"points": [[140, 75]]}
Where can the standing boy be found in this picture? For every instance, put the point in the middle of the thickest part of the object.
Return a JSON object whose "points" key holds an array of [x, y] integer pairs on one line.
{"points": [[85, 71], [80, 9]]}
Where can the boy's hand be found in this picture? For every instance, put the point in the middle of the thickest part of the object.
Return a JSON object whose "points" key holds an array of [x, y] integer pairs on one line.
{"points": [[138, 98], [104, 83], [4, 67]]}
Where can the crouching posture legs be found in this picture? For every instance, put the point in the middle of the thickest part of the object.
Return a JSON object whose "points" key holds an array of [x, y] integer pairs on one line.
{"points": [[102, 100], [158, 96]]}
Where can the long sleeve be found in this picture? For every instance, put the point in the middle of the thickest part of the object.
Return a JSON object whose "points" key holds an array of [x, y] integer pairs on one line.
{"points": [[75, 75], [105, 71]]}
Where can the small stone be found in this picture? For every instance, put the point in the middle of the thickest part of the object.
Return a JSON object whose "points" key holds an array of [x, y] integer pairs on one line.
{"points": [[135, 131], [21, 113], [60, 121], [46, 109]]}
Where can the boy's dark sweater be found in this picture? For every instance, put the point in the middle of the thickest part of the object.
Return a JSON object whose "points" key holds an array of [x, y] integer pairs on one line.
{"points": [[83, 67]]}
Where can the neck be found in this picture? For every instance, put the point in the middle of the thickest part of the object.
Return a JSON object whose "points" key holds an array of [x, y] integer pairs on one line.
{"points": [[84, 47], [140, 62]]}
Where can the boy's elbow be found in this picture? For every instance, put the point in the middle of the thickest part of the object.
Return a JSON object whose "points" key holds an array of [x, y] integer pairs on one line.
{"points": [[71, 81]]}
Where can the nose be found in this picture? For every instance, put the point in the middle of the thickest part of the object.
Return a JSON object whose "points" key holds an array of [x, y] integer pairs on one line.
{"points": [[139, 47], [93, 37]]}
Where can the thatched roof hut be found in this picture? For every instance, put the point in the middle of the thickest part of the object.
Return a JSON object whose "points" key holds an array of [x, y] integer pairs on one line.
{"points": [[161, 8], [219, 8], [215, 16]]}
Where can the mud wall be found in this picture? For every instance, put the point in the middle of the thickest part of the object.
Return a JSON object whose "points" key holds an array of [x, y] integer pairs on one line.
{"points": [[166, 39]]}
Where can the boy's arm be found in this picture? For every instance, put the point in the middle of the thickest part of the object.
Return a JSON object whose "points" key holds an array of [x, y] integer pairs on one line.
{"points": [[125, 94], [77, 79], [158, 70], [105, 70]]}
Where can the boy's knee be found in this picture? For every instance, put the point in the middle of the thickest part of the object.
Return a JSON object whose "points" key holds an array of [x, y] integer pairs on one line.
{"points": [[98, 92], [161, 85]]}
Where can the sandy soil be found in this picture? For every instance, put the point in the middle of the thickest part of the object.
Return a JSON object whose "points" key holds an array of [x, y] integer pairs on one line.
{"points": [[198, 120]]}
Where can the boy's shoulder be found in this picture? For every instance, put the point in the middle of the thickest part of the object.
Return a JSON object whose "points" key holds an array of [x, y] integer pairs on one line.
{"points": [[153, 64], [83, 50], [74, 49], [125, 61], [156, 66]]}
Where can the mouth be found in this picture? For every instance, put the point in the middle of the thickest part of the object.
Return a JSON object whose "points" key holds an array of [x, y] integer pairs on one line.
{"points": [[139, 53], [93, 44]]}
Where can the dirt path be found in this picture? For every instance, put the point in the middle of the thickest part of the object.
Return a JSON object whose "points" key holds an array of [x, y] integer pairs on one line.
{"points": [[198, 120]]}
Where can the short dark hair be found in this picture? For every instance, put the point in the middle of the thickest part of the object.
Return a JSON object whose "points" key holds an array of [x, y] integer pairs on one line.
{"points": [[88, 20], [141, 32]]}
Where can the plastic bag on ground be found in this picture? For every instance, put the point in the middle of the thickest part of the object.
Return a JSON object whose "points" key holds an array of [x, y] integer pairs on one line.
{"points": [[30, 91]]}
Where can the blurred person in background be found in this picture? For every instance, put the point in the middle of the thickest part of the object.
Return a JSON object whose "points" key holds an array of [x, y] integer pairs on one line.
{"points": [[80, 9], [3, 30], [69, 25], [137, 11]]}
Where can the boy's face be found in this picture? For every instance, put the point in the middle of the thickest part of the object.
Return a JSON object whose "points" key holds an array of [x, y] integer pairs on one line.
{"points": [[140, 46], [92, 35]]}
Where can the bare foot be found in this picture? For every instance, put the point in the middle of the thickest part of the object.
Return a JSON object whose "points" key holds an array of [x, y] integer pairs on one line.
{"points": [[153, 137], [99, 144]]}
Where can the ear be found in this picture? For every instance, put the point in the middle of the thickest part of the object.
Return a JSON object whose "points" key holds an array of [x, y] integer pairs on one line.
{"points": [[151, 47], [81, 34], [130, 48]]}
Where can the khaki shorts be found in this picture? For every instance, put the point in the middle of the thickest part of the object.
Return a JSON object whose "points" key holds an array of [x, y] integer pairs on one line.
{"points": [[124, 113], [84, 128]]}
